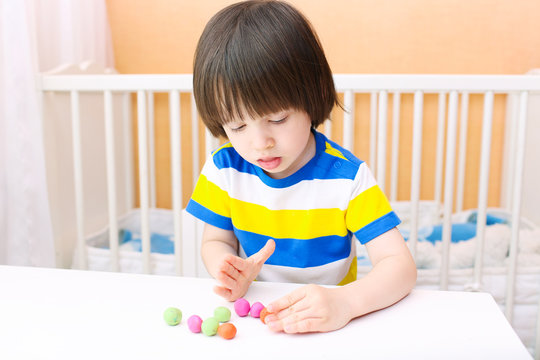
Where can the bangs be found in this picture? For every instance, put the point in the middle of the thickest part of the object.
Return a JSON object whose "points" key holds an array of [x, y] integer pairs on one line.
{"points": [[258, 58], [248, 91]]}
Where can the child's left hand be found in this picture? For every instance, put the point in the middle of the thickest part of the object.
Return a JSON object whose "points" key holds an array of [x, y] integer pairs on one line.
{"points": [[311, 308]]}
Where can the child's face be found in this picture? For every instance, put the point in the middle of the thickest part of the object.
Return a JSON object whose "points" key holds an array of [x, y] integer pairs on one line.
{"points": [[279, 143]]}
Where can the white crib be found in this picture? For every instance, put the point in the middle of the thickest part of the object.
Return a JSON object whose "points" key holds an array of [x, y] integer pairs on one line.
{"points": [[515, 287]]}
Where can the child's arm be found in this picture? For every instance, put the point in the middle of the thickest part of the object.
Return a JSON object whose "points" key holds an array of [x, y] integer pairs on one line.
{"points": [[219, 251], [315, 308]]}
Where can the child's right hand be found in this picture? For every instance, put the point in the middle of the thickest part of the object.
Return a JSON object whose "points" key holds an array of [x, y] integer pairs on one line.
{"points": [[236, 274]]}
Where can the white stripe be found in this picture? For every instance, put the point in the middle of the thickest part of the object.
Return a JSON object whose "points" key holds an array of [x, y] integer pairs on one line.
{"points": [[304, 195], [364, 180]]}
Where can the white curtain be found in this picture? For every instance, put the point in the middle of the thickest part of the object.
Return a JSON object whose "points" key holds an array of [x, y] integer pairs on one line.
{"points": [[36, 36]]}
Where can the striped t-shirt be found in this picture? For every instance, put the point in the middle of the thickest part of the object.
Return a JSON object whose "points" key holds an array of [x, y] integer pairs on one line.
{"points": [[312, 214]]}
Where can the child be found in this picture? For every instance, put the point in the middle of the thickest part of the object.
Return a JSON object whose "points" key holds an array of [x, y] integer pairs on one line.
{"points": [[280, 201]]}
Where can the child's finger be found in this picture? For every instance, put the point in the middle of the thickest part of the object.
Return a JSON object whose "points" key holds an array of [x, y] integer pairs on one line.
{"points": [[236, 262], [223, 292], [262, 255], [273, 323], [299, 309], [287, 300], [293, 310], [293, 322], [225, 280], [229, 268], [302, 326]]}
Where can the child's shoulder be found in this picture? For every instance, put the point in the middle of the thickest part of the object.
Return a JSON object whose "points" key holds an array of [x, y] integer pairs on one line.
{"points": [[226, 156], [338, 160]]}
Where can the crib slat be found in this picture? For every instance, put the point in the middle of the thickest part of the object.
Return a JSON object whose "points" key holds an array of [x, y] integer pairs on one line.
{"points": [[483, 184], [394, 172], [373, 132], [381, 139], [151, 149], [516, 205], [128, 159], [194, 140], [208, 142], [211, 143], [348, 120], [190, 247], [440, 147], [143, 178], [511, 125], [462, 150], [176, 163], [111, 179], [192, 234], [328, 128], [537, 341], [416, 167], [77, 176], [448, 188]]}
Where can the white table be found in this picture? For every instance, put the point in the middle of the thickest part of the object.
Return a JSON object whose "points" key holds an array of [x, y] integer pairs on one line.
{"points": [[69, 314]]}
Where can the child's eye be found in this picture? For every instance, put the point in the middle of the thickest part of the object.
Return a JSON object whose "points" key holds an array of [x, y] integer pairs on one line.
{"points": [[279, 121], [237, 128]]}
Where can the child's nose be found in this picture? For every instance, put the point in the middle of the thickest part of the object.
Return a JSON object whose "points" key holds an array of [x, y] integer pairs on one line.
{"points": [[263, 141]]}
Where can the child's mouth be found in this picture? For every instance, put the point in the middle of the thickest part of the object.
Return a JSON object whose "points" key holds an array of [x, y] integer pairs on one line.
{"points": [[269, 163]]}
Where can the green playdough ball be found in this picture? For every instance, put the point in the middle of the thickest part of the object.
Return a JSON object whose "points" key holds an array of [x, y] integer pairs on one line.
{"points": [[222, 314], [172, 316], [209, 326]]}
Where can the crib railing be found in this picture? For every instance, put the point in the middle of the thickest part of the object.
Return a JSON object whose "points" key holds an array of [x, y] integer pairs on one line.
{"points": [[379, 88]]}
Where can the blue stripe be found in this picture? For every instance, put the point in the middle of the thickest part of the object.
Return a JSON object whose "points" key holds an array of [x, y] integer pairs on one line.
{"points": [[208, 216], [298, 253], [349, 155], [321, 166], [227, 157], [333, 167], [377, 227]]}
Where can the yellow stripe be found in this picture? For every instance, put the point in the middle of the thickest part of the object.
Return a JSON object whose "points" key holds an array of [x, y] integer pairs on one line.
{"points": [[226, 145], [296, 224], [335, 152], [212, 197], [368, 206], [351, 275]]}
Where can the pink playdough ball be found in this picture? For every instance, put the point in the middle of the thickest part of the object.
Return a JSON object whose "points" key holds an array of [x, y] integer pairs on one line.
{"points": [[241, 306], [256, 309], [194, 323]]}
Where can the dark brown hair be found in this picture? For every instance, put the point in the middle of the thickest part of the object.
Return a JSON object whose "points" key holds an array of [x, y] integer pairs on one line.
{"points": [[259, 57]]}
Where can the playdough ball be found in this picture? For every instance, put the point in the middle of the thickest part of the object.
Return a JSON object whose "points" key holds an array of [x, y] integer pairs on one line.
{"points": [[194, 323], [263, 314], [256, 309], [222, 314], [227, 331], [172, 316], [209, 326], [241, 306]]}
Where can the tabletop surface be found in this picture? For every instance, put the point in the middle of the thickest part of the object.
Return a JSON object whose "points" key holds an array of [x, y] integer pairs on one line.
{"points": [[71, 314]]}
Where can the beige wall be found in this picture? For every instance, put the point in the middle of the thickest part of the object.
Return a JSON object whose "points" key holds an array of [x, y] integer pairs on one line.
{"points": [[385, 36]]}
